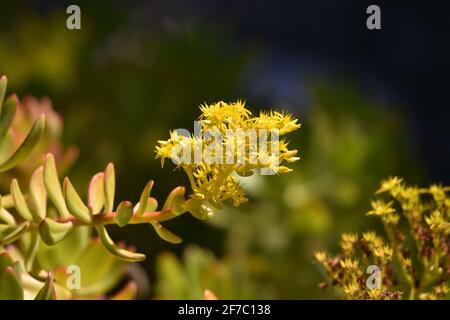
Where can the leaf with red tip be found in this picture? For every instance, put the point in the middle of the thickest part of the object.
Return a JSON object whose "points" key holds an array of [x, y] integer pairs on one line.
{"points": [[175, 201], [27, 145], [47, 292], [115, 249], [110, 187], [96, 195]]}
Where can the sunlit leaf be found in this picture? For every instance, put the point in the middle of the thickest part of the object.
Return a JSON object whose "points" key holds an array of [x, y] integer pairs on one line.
{"points": [[38, 193], [96, 195], [27, 145], [65, 252], [110, 187], [48, 290], [9, 234], [53, 187], [198, 209], [124, 213], [116, 250], [98, 278], [166, 234], [7, 217], [7, 201], [76, 206], [19, 201], [176, 201], [52, 231], [33, 247], [144, 196]]}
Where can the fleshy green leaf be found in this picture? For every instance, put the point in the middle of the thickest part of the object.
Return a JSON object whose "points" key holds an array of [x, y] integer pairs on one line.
{"points": [[7, 217], [33, 247], [166, 234], [7, 114], [176, 201], [116, 250], [3, 85], [48, 290], [76, 206], [39, 193], [19, 201], [65, 252], [5, 261], [10, 285], [53, 187], [110, 187], [9, 234], [96, 195], [27, 145], [152, 205], [124, 213], [96, 279], [7, 201], [198, 209], [53, 232], [144, 196]]}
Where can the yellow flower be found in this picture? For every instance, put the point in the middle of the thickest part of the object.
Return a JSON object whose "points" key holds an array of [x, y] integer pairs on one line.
{"points": [[389, 184], [438, 193], [231, 143], [380, 208], [374, 294], [351, 288], [371, 238], [321, 256], [348, 240], [437, 222], [349, 264]]}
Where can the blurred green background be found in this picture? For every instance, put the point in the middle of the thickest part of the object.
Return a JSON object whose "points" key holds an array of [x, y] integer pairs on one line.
{"points": [[132, 74]]}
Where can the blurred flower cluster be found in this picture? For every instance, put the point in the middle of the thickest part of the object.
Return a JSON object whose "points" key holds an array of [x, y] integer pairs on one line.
{"points": [[414, 261]]}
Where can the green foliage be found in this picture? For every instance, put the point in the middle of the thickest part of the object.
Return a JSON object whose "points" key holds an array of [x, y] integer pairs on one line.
{"points": [[414, 260], [45, 221], [43, 229], [198, 273]]}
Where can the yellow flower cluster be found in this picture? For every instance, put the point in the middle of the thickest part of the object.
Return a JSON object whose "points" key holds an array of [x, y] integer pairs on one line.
{"points": [[426, 232], [230, 142]]}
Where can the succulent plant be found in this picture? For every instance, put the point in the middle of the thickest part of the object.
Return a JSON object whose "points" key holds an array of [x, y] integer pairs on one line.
{"points": [[45, 231]]}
